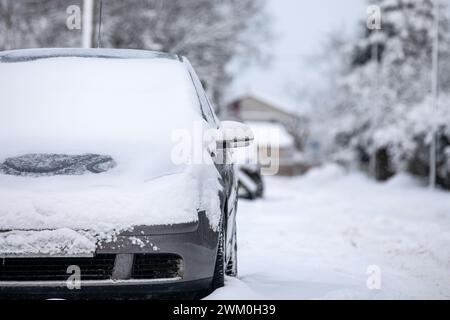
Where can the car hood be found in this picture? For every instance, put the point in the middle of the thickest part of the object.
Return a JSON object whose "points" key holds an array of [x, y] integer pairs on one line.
{"points": [[73, 213]]}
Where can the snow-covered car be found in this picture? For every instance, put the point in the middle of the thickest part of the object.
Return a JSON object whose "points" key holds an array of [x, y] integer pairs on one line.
{"points": [[99, 195]]}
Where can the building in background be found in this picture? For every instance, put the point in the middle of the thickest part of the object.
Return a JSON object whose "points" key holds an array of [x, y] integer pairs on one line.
{"points": [[273, 125]]}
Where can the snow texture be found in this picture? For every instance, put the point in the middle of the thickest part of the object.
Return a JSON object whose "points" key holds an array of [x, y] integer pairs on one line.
{"points": [[47, 242], [383, 108], [315, 237], [271, 134]]}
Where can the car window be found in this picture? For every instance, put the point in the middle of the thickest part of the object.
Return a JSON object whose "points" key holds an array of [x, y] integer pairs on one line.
{"points": [[211, 108], [207, 109], [205, 105]]}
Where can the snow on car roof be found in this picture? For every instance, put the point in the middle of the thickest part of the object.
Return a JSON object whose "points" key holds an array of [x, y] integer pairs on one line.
{"points": [[36, 54]]}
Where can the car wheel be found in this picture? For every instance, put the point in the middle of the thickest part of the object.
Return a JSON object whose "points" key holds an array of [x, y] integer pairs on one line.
{"points": [[219, 270], [232, 269]]}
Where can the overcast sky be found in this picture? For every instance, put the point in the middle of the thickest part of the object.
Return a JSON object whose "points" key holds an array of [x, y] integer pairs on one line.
{"points": [[301, 28]]}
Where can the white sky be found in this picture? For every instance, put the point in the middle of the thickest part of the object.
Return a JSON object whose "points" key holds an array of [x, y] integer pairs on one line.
{"points": [[301, 28]]}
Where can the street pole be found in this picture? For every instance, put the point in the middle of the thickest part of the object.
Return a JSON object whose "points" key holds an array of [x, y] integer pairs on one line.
{"points": [[435, 94], [99, 33], [88, 21]]}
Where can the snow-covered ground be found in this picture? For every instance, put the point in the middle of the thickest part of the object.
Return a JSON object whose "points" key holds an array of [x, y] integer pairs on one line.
{"points": [[321, 236]]}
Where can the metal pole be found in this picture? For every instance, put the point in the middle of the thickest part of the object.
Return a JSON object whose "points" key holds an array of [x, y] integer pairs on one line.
{"points": [[88, 15], [99, 35], [435, 94]]}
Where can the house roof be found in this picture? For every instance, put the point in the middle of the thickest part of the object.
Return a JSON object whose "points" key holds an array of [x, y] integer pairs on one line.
{"points": [[283, 105], [269, 133]]}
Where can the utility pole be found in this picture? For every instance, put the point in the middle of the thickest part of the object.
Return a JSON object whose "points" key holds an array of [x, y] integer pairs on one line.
{"points": [[99, 32], [92, 11], [435, 94], [88, 23]]}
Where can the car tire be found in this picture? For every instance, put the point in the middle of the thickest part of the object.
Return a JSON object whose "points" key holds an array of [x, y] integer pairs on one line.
{"points": [[219, 269]]}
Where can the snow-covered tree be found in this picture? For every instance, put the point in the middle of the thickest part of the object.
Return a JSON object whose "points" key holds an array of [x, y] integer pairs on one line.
{"points": [[36, 23], [382, 108], [211, 33]]}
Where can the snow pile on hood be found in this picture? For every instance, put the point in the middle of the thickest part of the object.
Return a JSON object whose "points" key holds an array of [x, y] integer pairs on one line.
{"points": [[82, 204], [122, 110], [83, 212], [47, 242]]}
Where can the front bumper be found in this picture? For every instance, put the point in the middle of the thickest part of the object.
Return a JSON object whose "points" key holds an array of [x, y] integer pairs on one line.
{"points": [[195, 243], [110, 290]]}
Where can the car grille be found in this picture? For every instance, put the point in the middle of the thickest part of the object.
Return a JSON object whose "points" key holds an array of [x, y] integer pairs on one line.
{"points": [[55, 269], [157, 266]]}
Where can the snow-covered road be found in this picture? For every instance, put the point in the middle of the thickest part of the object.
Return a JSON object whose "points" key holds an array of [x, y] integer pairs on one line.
{"points": [[324, 235]]}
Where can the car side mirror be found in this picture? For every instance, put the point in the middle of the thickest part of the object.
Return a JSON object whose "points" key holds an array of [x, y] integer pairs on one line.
{"points": [[232, 134]]}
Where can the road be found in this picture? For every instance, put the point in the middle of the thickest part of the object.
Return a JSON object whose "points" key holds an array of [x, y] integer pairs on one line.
{"points": [[337, 235]]}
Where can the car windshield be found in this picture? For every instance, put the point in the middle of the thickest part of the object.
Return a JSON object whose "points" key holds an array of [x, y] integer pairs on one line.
{"points": [[123, 108]]}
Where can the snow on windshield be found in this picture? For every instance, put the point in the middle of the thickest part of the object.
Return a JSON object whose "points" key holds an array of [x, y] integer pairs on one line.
{"points": [[98, 106]]}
